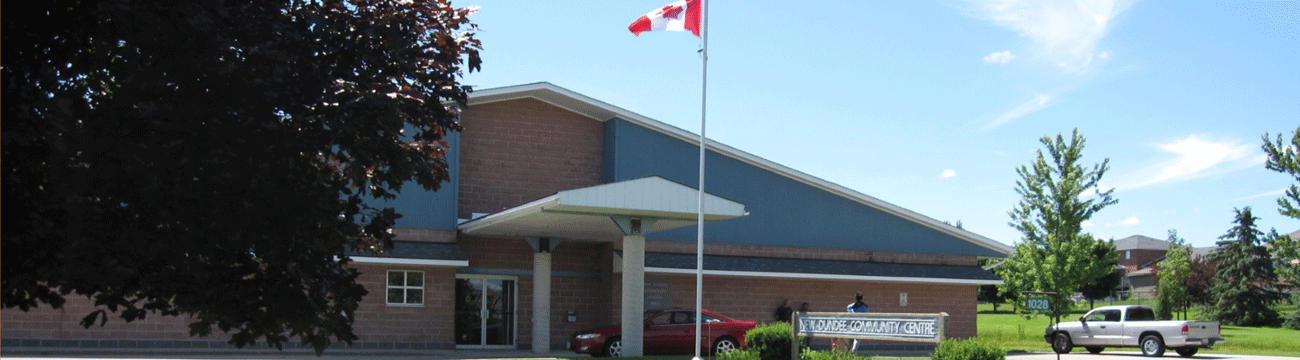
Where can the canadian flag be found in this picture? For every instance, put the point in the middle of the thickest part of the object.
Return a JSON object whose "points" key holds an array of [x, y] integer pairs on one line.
{"points": [[678, 16]]}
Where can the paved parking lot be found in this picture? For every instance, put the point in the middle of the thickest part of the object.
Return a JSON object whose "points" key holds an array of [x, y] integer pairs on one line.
{"points": [[46, 354], [1134, 355]]}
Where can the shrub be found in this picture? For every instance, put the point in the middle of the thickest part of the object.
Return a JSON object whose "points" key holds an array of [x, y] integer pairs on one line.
{"points": [[771, 341], [739, 355], [1292, 321], [809, 354], [969, 349]]}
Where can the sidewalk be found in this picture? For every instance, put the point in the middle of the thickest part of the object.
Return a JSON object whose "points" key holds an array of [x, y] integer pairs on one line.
{"points": [[458, 354], [56, 353]]}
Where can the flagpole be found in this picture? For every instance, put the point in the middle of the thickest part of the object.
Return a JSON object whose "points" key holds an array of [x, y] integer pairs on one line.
{"points": [[699, 224]]}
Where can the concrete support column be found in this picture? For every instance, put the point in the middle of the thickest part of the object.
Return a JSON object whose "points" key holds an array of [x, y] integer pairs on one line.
{"points": [[541, 302], [542, 293], [633, 295]]}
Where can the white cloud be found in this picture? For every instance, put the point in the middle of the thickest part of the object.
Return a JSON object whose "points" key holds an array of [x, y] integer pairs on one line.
{"points": [[1131, 220], [1198, 157], [1000, 57], [1194, 157], [948, 173], [1066, 32], [1039, 102], [1274, 193], [1104, 55]]}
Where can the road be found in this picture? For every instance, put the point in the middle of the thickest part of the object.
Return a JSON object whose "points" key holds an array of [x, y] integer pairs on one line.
{"points": [[1134, 355]]}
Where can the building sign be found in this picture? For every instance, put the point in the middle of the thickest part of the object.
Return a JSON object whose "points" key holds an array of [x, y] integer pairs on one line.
{"points": [[876, 326], [1038, 303]]}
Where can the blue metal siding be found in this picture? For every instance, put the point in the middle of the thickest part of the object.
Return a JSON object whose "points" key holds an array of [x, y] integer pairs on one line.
{"points": [[425, 209], [783, 211]]}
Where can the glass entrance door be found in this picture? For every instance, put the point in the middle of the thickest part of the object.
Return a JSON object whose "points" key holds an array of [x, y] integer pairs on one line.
{"points": [[485, 312]]}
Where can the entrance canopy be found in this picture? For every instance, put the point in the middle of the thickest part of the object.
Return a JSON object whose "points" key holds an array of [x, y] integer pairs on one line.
{"points": [[585, 214]]}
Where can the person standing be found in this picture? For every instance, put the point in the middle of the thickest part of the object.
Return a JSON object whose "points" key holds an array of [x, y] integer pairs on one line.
{"points": [[784, 311], [803, 311], [857, 307]]}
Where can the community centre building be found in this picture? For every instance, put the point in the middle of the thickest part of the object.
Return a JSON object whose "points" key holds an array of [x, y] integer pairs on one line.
{"points": [[566, 213]]}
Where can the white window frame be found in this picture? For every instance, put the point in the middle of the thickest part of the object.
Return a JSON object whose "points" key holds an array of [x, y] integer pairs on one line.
{"points": [[404, 287]]}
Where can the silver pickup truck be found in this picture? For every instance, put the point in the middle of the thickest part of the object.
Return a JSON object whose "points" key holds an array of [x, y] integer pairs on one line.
{"points": [[1132, 326]]}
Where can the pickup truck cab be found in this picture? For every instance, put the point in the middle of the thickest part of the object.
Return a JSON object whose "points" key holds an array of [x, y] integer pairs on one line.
{"points": [[1132, 326]]}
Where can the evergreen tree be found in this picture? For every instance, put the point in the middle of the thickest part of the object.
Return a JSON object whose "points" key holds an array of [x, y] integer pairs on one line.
{"points": [[1102, 287], [1173, 272], [1283, 158], [1244, 272], [1055, 255]]}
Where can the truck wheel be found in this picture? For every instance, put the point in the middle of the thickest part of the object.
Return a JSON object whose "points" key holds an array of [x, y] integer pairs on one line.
{"points": [[1187, 351], [1094, 349], [1061, 343], [1152, 345]]}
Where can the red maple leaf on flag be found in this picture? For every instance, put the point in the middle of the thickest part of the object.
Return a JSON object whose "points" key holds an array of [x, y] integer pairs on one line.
{"points": [[671, 12]]}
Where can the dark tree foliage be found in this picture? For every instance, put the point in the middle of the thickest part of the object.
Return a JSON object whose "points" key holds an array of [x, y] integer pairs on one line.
{"points": [[210, 158], [1244, 276], [1200, 280], [989, 293], [1102, 287]]}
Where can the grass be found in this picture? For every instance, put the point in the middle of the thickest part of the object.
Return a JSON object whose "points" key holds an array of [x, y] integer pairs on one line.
{"points": [[1017, 334]]}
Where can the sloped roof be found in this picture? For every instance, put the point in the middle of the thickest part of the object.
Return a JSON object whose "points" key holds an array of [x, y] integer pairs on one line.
{"points": [[601, 111], [1139, 242]]}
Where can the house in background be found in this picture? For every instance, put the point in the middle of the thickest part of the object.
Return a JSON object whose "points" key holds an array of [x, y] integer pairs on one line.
{"points": [[1138, 257], [565, 213]]}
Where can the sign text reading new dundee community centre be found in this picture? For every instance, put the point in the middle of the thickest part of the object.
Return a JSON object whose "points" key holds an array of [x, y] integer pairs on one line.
{"points": [[877, 326]]}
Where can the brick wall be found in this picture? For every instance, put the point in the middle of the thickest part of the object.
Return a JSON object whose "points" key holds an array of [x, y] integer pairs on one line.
{"points": [[579, 282], [425, 235], [516, 151], [432, 322], [792, 252], [375, 320], [746, 298], [65, 323], [1139, 257]]}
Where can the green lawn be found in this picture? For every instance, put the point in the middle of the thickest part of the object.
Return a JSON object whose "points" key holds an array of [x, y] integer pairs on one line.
{"points": [[1015, 333]]}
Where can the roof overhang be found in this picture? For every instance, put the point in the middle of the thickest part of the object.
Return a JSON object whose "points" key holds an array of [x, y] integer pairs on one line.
{"points": [[586, 213]]}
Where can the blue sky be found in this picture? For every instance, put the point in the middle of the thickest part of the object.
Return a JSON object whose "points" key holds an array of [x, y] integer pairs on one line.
{"points": [[931, 105]]}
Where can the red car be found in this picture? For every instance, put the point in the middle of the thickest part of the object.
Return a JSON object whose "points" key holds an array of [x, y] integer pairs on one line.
{"points": [[668, 332]]}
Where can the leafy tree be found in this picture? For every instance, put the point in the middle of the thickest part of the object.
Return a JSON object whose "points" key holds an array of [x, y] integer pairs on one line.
{"points": [[213, 158], [1200, 279], [1244, 274], [1283, 158], [1286, 249], [1102, 287], [1055, 255], [1173, 273], [990, 293]]}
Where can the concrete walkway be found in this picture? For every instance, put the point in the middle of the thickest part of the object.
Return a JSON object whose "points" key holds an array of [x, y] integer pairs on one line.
{"points": [[67, 353], [178, 354]]}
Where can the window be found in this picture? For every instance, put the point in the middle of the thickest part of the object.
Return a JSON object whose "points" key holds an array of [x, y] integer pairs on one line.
{"points": [[1141, 314], [665, 318], [405, 287], [1128, 254]]}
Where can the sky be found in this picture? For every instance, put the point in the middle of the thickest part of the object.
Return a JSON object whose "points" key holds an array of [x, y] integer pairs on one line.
{"points": [[932, 105]]}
